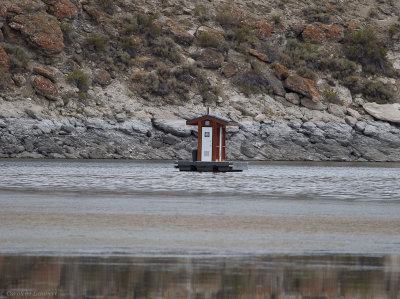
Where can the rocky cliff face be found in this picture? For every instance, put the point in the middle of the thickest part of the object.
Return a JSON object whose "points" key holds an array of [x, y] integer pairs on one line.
{"points": [[117, 79]]}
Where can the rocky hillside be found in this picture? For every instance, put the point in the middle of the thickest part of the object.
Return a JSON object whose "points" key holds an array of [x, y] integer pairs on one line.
{"points": [[102, 78]]}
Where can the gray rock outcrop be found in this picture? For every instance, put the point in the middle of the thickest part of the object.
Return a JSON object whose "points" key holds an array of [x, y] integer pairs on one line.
{"points": [[160, 139], [387, 112]]}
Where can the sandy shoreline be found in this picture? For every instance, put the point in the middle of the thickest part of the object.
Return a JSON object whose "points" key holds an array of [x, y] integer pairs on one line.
{"points": [[54, 230]]}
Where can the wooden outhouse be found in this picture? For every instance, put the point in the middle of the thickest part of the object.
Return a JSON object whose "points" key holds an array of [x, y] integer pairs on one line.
{"points": [[210, 154], [211, 142]]}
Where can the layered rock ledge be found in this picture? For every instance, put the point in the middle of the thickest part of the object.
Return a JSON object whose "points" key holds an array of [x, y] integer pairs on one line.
{"points": [[161, 139]]}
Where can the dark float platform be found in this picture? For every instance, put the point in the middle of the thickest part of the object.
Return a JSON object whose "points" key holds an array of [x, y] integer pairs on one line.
{"points": [[211, 166]]}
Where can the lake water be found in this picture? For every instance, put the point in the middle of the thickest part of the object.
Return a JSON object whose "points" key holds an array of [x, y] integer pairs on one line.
{"points": [[123, 228]]}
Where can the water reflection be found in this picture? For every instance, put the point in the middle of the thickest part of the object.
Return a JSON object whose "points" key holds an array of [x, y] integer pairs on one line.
{"points": [[339, 276]]}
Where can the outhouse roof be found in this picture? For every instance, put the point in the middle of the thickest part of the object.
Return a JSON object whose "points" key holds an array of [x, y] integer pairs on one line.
{"points": [[218, 119]]}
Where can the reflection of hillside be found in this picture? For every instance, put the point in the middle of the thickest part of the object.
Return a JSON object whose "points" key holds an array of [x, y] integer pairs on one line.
{"points": [[253, 277], [32, 274]]}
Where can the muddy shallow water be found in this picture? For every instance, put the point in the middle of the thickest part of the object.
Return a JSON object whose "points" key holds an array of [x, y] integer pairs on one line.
{"points": [[123, 228]]}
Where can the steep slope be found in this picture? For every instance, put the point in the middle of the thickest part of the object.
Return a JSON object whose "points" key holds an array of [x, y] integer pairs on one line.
{"points": [[296, 73]]}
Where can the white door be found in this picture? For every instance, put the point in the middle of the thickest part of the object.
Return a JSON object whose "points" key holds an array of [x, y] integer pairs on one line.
{"points": [[206, 144]]}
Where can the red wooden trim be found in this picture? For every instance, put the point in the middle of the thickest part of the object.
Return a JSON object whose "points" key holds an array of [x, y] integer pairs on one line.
{"points": [[214, 141], [217, 145], [199, 134], [223, 152], [190, 123]]}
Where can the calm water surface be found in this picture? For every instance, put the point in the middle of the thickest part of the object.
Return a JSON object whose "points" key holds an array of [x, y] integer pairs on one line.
{"points": [[141, 229]]}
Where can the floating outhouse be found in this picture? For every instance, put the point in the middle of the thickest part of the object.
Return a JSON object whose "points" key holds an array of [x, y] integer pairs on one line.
{"points": [[211, 146]]}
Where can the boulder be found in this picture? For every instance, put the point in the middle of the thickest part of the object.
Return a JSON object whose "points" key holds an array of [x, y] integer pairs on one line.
{"points": [[45, 87], [344, 95], [62, 9], [310, 104], [259, 55], [45, 72], [102, 77], [267, 74], [293, 98], [353, 113], [34, 112], [181, 31], [41, 30], [4, 61], [337, 110], [228, 69], [304, 86], [210, 58], [19, 80], [281, 72], [351, 121], [320, 33], [213, 32], [238, 61], [176, 128], [386, 112]]}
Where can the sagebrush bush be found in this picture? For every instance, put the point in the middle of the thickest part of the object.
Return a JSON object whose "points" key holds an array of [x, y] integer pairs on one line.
{"points": [[341, 67], [363, 47], [243, 34], [331, 96], [206, 39], [306, 73], [209, 92], [201, 12], [166, 47], [97, 42], [376, 91], [5, 81], [19, 60], [147, 25], [252, 82], [394, 29], [225, 16], [373, 13], [105, 4], [122, 60], [79, 79], [352, 83], [67, 30], [317, 13], [161, 82], [130, 25], [129, 45], [298, 53], [277, 19]]}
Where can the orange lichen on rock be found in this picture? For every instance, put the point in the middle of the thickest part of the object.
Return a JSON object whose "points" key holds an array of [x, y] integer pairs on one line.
{"points": [[351, 27], [320, 33], [334, 32], [263, 30], [98, 15], [45, 87], [62, 9], [314, 34], [303, 86], [45, 72], [281, 72], [41, 30], [259, 55]]}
